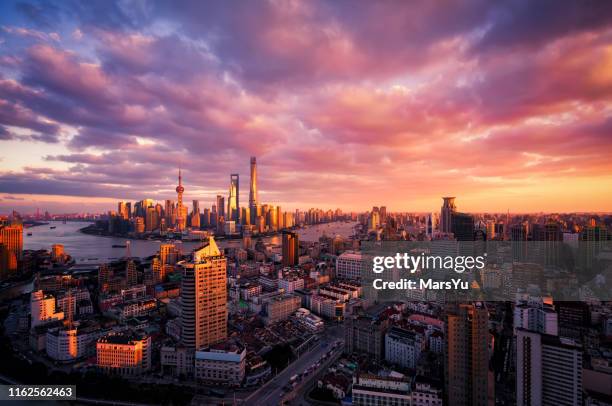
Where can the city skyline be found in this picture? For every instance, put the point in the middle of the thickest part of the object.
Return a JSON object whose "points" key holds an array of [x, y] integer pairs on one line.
{"points": [[285, 202], [100, 104], [253, 190]]}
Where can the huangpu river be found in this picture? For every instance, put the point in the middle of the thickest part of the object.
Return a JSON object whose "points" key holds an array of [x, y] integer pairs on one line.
{"points": [[86, 248]]}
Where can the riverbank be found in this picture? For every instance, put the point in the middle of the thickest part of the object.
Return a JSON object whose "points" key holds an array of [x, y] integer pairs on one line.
{"points": [[83, 246], [32, 224], [98, 232]]}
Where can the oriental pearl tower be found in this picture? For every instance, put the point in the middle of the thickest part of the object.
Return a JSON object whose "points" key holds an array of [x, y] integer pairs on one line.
{"points": [[180, 209]]}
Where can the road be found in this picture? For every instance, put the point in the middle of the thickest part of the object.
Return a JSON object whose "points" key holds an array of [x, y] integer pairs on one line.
{"points": [[298, 395], [271, 393]]}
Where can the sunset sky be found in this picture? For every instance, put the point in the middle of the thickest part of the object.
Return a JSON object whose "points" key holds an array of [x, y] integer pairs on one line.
{"points": [[504, 104]]}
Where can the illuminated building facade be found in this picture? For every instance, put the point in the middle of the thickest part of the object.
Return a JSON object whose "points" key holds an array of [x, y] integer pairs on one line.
{"points": [[124, 353], [204, 297], [291, 248], [11, 247], [233, 203], [42, 308], [446, 213], [467, 355]]}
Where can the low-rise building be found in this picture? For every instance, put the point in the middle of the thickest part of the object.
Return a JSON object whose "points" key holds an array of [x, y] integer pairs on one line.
{"points": [[70, 343], [43, 309], [290, 283], [125, 354], [224, 363], [425, 393], [312, 322], [249, 290], [402, 347], [373, 390], [350, 265], [279, 308], [134, 308], [177, 360], [327, 306]]}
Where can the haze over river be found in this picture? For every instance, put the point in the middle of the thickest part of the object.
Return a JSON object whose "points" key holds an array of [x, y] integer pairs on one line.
{"points": [[86, 248]]}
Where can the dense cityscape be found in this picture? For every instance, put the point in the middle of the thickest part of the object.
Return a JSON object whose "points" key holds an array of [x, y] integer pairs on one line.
{"points": [[291, 322], [306, 203]]}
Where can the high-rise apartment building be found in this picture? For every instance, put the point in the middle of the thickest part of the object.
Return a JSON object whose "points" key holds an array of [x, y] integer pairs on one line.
{"points": [[204, 297], [467, 355], [291, 249], [548, 370]]}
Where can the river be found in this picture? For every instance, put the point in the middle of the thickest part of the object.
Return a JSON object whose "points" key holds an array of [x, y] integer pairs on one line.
{"points": [[87, 248]]}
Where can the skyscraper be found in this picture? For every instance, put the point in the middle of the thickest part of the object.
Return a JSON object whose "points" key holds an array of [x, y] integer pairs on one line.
{"points": [[429, 225], [467, 355], [233, 204], [204, 297], [169, 212], [122, 210], [253, 189], [151, 219], [11, 247], [194, 220], [291, 249], [195, 207], [462, 226], [446, 212], [181, 211], [548, 370], [220, 208]]}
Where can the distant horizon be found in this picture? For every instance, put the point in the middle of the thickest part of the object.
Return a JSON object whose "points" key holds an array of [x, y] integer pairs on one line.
{"points": [[203, 205], [476, 100]]}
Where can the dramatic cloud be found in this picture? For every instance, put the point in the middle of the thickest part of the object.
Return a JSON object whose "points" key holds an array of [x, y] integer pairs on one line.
{"points": [[504, 104]]}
